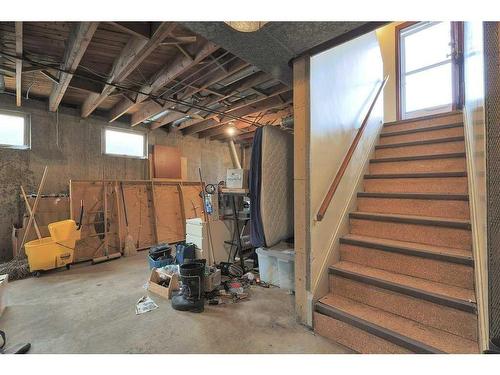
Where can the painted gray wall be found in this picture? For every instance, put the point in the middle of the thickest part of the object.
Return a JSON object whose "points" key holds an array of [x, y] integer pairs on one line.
{"points": [[78, 155]]}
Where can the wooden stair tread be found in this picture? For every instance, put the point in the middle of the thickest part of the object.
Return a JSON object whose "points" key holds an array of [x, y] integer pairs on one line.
{"points": [[425, 196], [421, 142], [413, 219], [416, 175], [461, 296], [423, 118], [411, 248], [399, 330], [421, 130], [418, 157]]}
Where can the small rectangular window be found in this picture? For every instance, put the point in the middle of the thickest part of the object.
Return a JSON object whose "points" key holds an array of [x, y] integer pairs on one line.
{"points": [[120, 142], [14, 130]]}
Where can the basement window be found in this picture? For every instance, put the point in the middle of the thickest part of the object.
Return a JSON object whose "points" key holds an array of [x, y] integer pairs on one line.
{"points": [[14, 130], [126, 143]]}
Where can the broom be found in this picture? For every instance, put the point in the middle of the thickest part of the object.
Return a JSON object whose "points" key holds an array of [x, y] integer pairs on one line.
{"points": [[130, 248]]}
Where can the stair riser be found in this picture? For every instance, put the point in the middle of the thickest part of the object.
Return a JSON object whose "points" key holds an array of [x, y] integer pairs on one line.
{"points": [[453, 119], [448, 185], [354, 338], [418, 150], [421, 136], [425, 234], [431, 314], [424, 207], [430, 269], [420, 166]]}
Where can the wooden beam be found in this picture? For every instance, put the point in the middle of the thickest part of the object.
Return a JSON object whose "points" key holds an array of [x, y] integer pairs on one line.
{"points": [[79, 39], [178, 66], [77, 83], [136, 29], [233, 89], [5, 70], [136, 50], [175, 115], [269, 118], [179, 40], [249, 109], [19, 61]]}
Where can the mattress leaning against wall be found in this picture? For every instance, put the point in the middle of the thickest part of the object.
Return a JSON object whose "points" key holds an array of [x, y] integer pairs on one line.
{"points": [[271, 186]]}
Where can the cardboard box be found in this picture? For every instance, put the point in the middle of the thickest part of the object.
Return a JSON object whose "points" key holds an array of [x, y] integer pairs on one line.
{"points": [[156, 277], [3, 292], [237, 178]]}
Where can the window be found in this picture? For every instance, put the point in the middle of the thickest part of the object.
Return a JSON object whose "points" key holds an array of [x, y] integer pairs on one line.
{"points": [[120, 142], [426, 68], [14, 130]]}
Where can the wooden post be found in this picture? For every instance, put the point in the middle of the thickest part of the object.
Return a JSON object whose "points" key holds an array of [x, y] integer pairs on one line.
{"points": [[118, 216], [105, 203], [302, 211], [153, 206]]}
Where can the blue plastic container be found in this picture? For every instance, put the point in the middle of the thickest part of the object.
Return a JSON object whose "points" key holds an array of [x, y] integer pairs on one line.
{"points": [[159, 263]]}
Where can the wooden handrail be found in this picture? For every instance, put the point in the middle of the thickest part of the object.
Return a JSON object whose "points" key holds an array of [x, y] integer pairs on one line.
{"points": [[333, 187]]}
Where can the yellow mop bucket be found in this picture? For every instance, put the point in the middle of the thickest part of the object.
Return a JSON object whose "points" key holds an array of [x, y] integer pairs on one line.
{"points": [[54, 251]]}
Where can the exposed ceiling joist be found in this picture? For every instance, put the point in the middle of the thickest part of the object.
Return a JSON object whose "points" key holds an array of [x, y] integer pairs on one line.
{"points": [[77, 83], [174, 115], [220, 132], [179, 66], [255, 107], [235, 88], [136, 50], [80, 37], [19, 61], [136, 29], [179, 40], [245, 108]]}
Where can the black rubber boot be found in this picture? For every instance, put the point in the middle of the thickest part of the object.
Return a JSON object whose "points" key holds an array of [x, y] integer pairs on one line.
{"points": [[191, 297]]}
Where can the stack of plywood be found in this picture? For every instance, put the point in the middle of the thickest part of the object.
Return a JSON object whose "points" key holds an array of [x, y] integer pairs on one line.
{"points": [[156, 212]]}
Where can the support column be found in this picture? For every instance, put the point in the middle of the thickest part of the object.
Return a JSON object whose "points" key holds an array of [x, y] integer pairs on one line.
{"points": [[301, 110]]}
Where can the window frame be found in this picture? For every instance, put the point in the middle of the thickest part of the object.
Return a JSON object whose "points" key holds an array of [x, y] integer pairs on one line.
{"points": [[405, 114], [27, 129], [118, 129], [457, 72]]}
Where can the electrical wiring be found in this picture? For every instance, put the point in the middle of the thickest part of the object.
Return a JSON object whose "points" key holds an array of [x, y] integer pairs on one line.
{"points": [[123, 88], [194, 73]]}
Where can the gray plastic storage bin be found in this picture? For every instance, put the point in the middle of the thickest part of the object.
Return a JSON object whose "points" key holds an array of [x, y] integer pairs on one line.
{"points": [[276, 267]]}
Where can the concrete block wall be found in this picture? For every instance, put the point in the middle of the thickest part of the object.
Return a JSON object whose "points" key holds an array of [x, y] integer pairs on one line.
{"points": [[71, 147]]}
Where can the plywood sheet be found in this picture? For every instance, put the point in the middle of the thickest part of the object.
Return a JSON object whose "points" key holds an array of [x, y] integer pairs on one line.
{"points": [[166, 162], [193, 202], [156, 212], [92, 243], [139, 213], [169, 214]]}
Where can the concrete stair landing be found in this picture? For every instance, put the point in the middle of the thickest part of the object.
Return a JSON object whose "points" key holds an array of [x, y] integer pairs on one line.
{"points": [[405, 279]]}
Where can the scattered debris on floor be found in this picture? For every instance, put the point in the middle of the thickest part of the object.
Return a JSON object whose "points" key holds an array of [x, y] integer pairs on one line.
{"points": [[144, 305], [16, 268]]}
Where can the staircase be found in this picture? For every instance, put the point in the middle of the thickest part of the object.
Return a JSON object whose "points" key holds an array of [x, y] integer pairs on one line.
{"points": [[405, 279]]}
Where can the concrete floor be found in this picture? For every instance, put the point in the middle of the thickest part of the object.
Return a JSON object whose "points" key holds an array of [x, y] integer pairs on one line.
{"points": [[91, 309]]}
